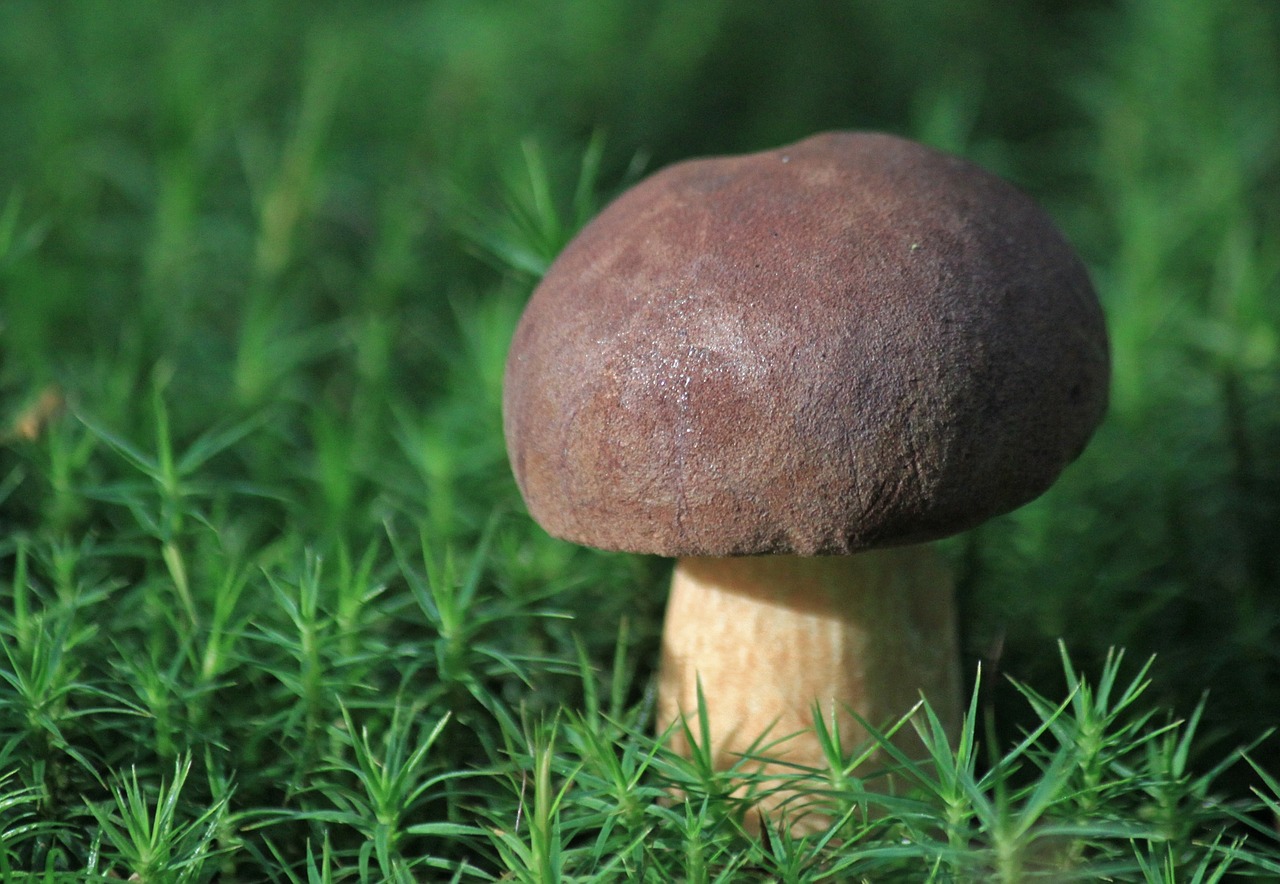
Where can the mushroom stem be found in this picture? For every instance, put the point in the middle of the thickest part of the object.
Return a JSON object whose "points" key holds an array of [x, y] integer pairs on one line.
{"points": [[768, 636]]}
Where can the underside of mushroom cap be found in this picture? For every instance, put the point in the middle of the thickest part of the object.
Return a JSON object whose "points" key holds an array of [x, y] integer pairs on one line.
{"points": [[854, 341]]}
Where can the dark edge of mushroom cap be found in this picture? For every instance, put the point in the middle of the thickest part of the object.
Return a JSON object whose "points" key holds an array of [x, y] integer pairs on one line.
{"points": [[854, 341]]}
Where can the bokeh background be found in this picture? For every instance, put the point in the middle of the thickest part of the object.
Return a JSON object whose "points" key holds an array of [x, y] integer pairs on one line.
{"points": [[325, 217]]}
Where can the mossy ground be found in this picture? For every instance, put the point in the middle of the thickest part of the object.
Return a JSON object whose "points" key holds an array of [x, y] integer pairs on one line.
{"points": [[269, 604]]}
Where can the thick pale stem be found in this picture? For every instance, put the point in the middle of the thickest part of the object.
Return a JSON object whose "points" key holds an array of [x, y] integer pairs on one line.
{"points": [[768, 636]]}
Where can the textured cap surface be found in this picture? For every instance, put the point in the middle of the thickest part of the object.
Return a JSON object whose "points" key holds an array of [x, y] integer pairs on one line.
{"points": [[851, 342]]}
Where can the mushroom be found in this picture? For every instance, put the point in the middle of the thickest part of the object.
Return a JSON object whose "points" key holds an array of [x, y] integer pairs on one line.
{"points": [[792, 370]]}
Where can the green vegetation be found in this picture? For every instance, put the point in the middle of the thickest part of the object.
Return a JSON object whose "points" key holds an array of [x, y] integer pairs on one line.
{"points": [[270, 608]]}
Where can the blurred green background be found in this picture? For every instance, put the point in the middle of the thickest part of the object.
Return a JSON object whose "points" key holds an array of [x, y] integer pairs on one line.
{"points": [[324, 217]]}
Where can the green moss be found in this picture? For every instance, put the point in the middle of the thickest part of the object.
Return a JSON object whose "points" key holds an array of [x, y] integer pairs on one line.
{"points": [[270, 607]]}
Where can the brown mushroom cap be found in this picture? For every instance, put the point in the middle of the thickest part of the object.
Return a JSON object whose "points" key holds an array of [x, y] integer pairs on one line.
{"points": [[852, 342]]}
